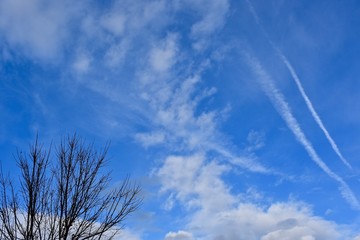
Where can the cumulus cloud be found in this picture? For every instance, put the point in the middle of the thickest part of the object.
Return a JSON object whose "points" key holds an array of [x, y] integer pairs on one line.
{"points": [[278, 221], [216, 213], [180, 173]]}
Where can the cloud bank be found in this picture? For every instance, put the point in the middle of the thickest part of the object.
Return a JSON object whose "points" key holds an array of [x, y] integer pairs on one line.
{"points": [[217, 213]]}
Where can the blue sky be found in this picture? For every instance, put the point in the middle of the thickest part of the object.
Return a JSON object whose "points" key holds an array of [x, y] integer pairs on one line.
{"points": [[238, 118]]}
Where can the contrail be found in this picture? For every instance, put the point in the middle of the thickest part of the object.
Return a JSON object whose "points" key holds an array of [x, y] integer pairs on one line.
{"points": [[312, 110], [300, 87], [278, 101]]}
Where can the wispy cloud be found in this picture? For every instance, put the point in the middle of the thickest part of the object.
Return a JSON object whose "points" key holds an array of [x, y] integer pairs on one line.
{"points": [[280, 104], [173, 98], [295, 77], [37, 28]]}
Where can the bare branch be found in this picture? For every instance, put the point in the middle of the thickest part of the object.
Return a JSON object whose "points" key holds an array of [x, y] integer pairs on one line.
{"points": [[71, 200]]}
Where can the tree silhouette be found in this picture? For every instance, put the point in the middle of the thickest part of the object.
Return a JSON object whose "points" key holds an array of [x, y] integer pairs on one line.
{"points": [[65, 196]]}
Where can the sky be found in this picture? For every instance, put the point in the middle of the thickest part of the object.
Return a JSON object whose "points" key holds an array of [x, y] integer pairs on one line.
{"points": [[239, 119]]}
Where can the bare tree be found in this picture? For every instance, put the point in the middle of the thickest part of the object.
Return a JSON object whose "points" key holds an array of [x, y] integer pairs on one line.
{"points": [[65, 197]]}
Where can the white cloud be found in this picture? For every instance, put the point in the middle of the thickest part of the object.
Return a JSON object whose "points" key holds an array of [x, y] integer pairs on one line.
{"points": [[179, 173], [172, 101], [246, 162], [116, 53], [42, 29], [37, 27], [108, 37], [127, 234], [213, 16], [150, 139], [145, 15], [162, 56], [174, 106], [256, 140], [114, 23], [82, 63], [216, 213], [248, 221], [180, 235]]}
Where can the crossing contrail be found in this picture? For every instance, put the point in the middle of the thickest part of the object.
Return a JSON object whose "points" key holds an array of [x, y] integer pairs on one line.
{"points": [[301, 88]]}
